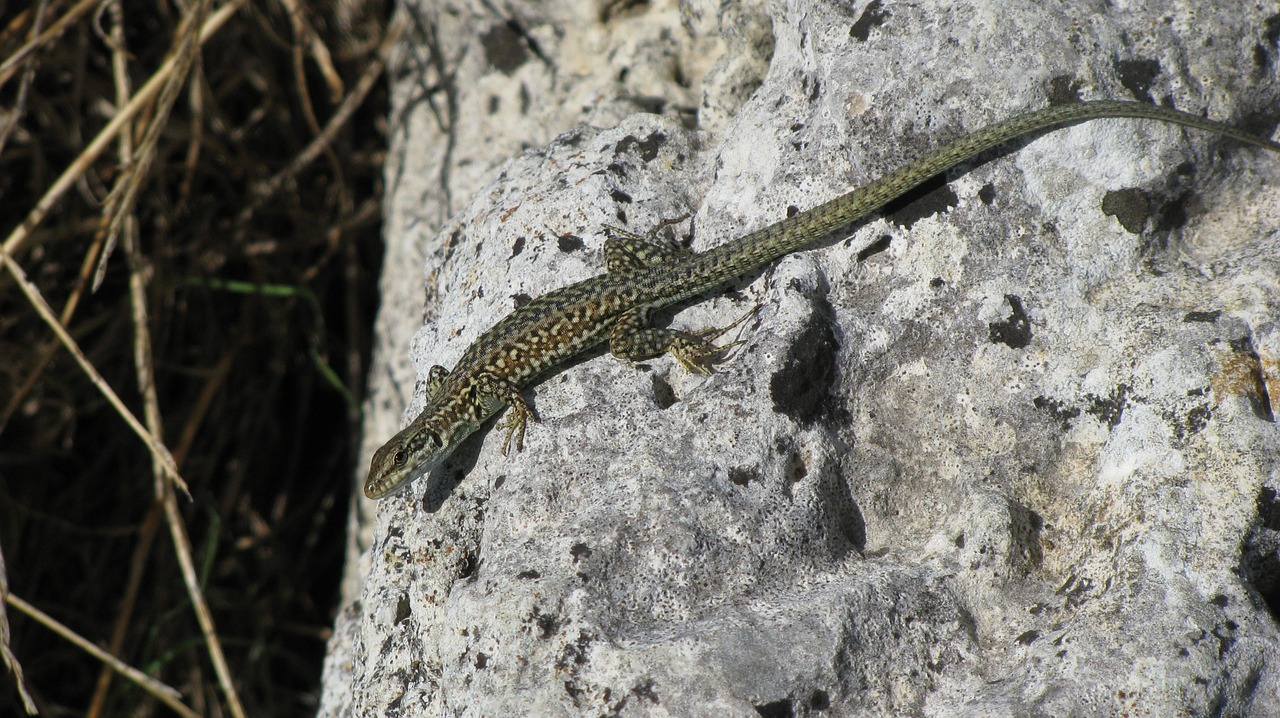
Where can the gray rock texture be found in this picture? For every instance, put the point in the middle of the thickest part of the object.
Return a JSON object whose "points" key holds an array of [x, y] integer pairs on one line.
{"points": [[1010, 449]]}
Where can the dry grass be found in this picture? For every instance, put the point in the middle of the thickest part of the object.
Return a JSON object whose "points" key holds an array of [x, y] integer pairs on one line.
{"points": [[189, 206]]}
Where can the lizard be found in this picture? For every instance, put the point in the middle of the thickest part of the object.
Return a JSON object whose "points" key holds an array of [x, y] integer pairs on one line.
{"points": [[640, 276]]}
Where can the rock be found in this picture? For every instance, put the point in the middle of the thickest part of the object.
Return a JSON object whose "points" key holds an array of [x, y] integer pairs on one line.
{"points": [[1009, 450]]}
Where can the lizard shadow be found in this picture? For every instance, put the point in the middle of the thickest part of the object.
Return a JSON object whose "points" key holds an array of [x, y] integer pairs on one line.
{"points": [[442, 482]]}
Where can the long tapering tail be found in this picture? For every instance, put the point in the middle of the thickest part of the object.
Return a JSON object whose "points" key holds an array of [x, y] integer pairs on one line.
{"points": [[760, 248]]}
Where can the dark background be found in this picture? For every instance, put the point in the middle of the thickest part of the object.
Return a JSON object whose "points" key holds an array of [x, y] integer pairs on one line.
{"points": [[256, 247]]}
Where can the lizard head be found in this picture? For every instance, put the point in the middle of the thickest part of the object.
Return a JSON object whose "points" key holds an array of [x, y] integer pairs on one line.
{"points": [[410, 454]]}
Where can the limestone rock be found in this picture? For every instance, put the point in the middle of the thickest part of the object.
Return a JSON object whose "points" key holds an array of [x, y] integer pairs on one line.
{"points": [[1010, 449]]}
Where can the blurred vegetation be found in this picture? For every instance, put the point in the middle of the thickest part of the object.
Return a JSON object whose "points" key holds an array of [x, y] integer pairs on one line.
{"points": [[193, 191]]}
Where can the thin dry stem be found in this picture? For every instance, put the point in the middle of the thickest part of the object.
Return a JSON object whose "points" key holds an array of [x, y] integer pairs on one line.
{"points": [[6, 653], [147, 532], [99, 143], [305, 34], [137, 164], [50, 348], [305, 31], [170, 198], [182, 547], [266, 190], [133, 588], [143, 360], [165, 693], [46, 37], [28, 76], [36, 299], [177, 529]]}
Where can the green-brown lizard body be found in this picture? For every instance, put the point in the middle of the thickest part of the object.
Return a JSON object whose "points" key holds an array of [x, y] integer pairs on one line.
{"points": [[552, 329]]}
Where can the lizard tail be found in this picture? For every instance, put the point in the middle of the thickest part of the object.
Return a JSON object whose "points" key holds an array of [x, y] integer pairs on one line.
{"points": [[760, 248]]}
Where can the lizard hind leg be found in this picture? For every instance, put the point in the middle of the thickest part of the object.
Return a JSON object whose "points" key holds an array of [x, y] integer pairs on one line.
{"points": [[704, 346], [633, 341]]}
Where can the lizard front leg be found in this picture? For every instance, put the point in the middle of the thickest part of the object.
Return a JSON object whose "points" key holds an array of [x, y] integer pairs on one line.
{"points": [[435, 379], [492, 389]]}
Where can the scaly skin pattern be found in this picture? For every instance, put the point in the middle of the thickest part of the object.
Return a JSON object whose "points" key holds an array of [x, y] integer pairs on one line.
{"points": [[614, 306]]}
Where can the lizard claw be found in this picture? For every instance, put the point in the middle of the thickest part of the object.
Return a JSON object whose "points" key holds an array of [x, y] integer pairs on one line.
{"points": [[515, 422]]}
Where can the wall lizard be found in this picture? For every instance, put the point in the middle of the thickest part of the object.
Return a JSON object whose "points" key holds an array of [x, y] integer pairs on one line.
{"points": [[642, 276]]}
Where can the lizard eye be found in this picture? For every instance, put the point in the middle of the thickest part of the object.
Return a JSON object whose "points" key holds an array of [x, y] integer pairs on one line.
{"points": [[398, 459]]}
